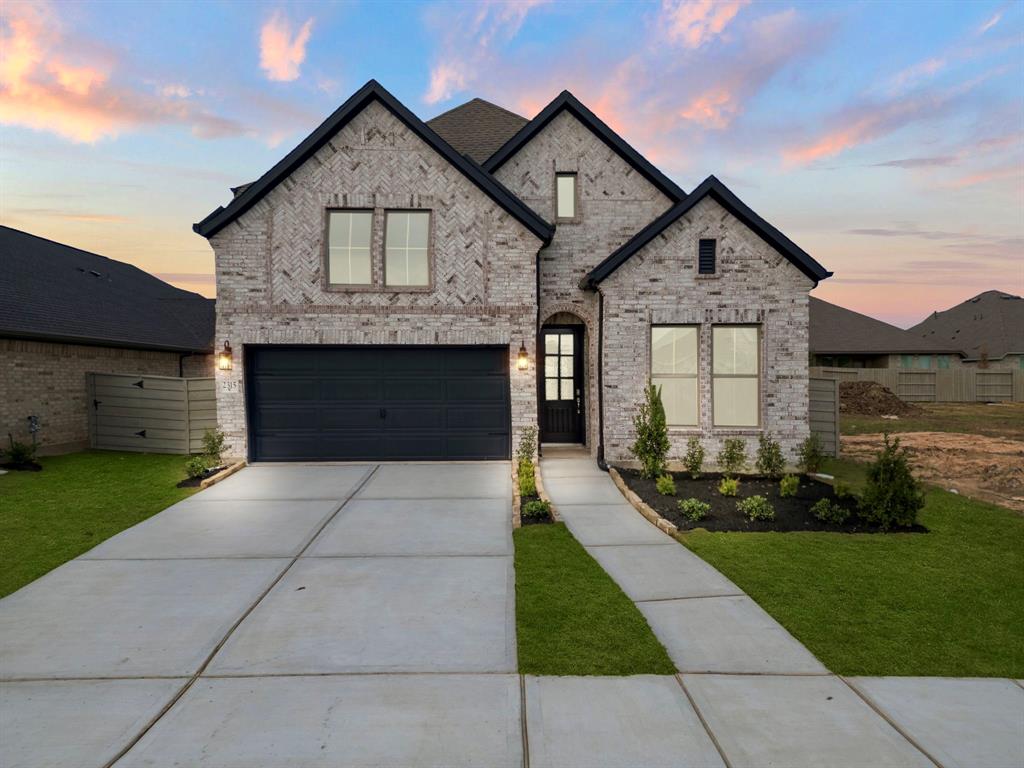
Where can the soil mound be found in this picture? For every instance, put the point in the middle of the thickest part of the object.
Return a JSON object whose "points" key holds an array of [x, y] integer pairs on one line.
{"points": [[869, 398]]}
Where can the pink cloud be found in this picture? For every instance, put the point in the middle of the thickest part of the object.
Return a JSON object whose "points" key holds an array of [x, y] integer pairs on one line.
{"points": [[712, 109], [695, 22], [281, 51], [1014, 171]]}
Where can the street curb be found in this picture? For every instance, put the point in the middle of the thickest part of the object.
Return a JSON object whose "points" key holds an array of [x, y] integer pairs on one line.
{"points": [[638, 504], [224, 473]]}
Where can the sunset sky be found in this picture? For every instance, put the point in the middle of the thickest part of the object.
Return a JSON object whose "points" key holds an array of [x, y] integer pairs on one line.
{"points": [[887, 140]]}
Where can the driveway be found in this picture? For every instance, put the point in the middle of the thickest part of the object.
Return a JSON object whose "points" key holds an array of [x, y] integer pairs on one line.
{"points": [[290, 615]]}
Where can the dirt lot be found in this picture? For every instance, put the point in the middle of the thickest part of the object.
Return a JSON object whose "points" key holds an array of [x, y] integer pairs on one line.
{"points": [[979, 466], [993, 420]]}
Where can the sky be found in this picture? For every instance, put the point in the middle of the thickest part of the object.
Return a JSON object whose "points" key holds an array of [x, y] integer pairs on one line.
{"points": [[886, 139]]}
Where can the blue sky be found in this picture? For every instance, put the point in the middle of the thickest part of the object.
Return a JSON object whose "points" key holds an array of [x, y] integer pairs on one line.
{"points": [[885, 139]]}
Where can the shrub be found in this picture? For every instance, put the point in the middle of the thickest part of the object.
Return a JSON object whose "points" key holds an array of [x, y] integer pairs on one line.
{"points": [[769, 457], [892, 496], [535, 511], [756, 508], [196, 466], [694, 458], [828, 511], [788, 486], [694, 510], [651, 446], [842, 490], [527, 445], [666, 485], [811, 455], [527, 479], [729, 486], [213, 445], [733, 456], [18, 452]]}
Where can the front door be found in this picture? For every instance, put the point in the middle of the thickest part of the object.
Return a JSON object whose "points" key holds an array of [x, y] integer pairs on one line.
{"points": [[562, 385]]}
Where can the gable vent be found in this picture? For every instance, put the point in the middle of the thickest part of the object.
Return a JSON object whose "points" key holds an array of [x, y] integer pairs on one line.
{"points": [[706, 257]]}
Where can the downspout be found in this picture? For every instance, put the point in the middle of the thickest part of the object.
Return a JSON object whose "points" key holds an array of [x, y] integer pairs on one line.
{"points": [[536, 348], [181, 363], [600, 381]]}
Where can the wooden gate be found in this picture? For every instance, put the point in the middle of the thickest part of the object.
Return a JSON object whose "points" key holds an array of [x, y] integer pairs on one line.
{"points": [[824, 413]]}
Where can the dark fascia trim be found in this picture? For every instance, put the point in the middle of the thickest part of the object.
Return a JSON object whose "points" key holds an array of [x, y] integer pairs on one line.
{"points": [[577, 109], [92, 341], [373, 90], [710, 187]]}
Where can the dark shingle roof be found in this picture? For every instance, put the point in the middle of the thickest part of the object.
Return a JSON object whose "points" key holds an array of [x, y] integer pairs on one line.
{"points": [[477, 128], [992, 322], [56, 292], [837, 330]]}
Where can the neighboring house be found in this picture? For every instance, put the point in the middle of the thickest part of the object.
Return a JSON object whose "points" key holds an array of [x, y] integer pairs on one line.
{"points": [[988, 330], [65, 312], [394, 289]]}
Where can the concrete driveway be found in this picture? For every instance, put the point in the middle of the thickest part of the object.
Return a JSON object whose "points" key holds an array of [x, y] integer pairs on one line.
{"points": [[290, 615]]}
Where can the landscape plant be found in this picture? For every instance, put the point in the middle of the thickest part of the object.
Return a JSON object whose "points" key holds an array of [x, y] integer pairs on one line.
{"points": [[729, 486], [651, 445], [788, 486], [525, 452], [535, 511], [196, 466], [665, 485], [811, 455], [214, 445], [828, 511], [892, 495], [733, 457], [770, 461], [694, 510], [693, 460], [756, 508], [19, 453]]}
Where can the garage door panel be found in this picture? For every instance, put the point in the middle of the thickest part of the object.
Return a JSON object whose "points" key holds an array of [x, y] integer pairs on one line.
{"points": [[285, 418], [399, 390], [363, 417], [414, 361], [476, 390], [354, 390], [492, 419], [414, 418], [367, 361], [487, 362], [468, 447], [278, 362], [291, 390]]}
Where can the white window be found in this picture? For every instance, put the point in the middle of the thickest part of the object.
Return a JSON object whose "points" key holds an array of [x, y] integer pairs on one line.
{"points": [[406, 248], [348, 247], [734, 375], [674, 359], [565, 193]]}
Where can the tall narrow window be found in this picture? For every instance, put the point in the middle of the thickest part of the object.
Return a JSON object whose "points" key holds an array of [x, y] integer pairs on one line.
{"points": [[565, 193], [674, 369], [348, 247], [734, 375], [706, 257], [406, 248]]}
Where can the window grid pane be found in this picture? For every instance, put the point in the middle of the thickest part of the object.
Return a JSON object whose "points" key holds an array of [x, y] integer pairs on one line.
{"points": [[407, 261], [348, 247], [735, 388], [565, 192]]}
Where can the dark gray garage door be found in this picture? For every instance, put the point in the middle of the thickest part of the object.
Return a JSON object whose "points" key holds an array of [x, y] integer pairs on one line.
{"points": [[413, 403]]}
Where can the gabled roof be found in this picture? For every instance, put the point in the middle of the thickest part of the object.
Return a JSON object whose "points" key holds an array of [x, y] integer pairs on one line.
{"points": [[991, 323], [837, 330], [372, 91], [53, 292], [566, 101], [710, 187], [477, 128]]}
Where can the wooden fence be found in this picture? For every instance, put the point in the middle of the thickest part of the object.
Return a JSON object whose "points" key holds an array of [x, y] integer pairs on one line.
{"points": [[824, 413], [150, 414], [955, 385]]}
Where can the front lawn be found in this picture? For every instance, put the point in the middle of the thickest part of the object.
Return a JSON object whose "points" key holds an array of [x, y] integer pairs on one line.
{"points": [[77, 501], [571, 618], [949, 602]]}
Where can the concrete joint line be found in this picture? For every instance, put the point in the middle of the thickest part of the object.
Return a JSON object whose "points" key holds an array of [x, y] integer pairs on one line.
{"points": [[1018, 682], [666, 543], [696, 673], [689, 597], [703, 722], [254, 675], [245, 614], [397, 556], [522, 721], [878, 711]]}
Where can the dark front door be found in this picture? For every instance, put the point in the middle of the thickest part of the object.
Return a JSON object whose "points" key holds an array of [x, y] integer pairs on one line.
{"points": [[377, 403], [562, 385]]}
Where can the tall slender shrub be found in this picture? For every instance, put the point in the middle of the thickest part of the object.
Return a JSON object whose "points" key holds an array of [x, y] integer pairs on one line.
{"points": [[651, 446]]}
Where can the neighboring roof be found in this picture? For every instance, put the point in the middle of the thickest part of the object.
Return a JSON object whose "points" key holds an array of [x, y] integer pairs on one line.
{"points": [[477, 128], [372, 91], [710, 187], [566, 101], [837, 330], [991, 323], [54, 292]]}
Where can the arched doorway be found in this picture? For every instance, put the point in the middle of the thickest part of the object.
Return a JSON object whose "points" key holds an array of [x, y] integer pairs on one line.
{"points": [[562, 386]]}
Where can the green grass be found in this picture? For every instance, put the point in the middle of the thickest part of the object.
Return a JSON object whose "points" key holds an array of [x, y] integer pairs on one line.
{"points": [[997, 420], [949, 602], [77, 501], [571, 618]]}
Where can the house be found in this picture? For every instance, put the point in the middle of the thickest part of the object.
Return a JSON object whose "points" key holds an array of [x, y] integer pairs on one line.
{"points": [[65, 312], [987, 330], [842, 338], [394, 289]]}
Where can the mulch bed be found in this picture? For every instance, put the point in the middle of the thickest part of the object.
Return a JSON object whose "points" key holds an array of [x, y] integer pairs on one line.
{"points": [[523, 501], [22, 466], [194, 482], [791, 514]]}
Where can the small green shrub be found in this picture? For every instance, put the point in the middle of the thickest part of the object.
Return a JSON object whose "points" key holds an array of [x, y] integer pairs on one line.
{"points": [[733, 456], [651, 446], [842, 490], [214, 446], [811, 455], [196, 466], [18, 452], [828, 511], [788, 486], [527, 478], [694, 458], [694, 510], [666, 485], [535, 510], [729, 486], [770, 461], [892, 496], [527, 445], [756, 508]]}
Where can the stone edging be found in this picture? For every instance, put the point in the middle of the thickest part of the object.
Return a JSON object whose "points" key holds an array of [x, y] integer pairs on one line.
{"points": [[224, 473], [544, 494], [638, 504]]}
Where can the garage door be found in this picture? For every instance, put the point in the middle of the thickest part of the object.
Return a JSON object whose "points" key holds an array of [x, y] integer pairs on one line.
{"points": [[410, 403]]}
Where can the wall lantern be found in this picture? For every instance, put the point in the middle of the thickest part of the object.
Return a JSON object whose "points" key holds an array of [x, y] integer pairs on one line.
{"points": [[523, 360], [224, 361]]}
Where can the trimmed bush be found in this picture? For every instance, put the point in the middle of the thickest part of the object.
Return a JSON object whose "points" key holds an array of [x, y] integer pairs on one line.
{"points": [[694, 458], [769, 457], [196, 466], [842, 490], [214, 446], [892, 496], [756, 508], [729, 486], [527, 479], [788, 486], [828, 511], [733, 457], [811, 455], [651, 446], [694, 510], [535, 510], [666, 485], [18, 452], [527, 445]]}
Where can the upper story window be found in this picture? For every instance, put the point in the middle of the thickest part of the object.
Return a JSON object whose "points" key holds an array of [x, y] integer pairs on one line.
{"points": [[407, 248], [706, 257], [565, 195], [674, 369], [348, 247], [735, 370]]}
